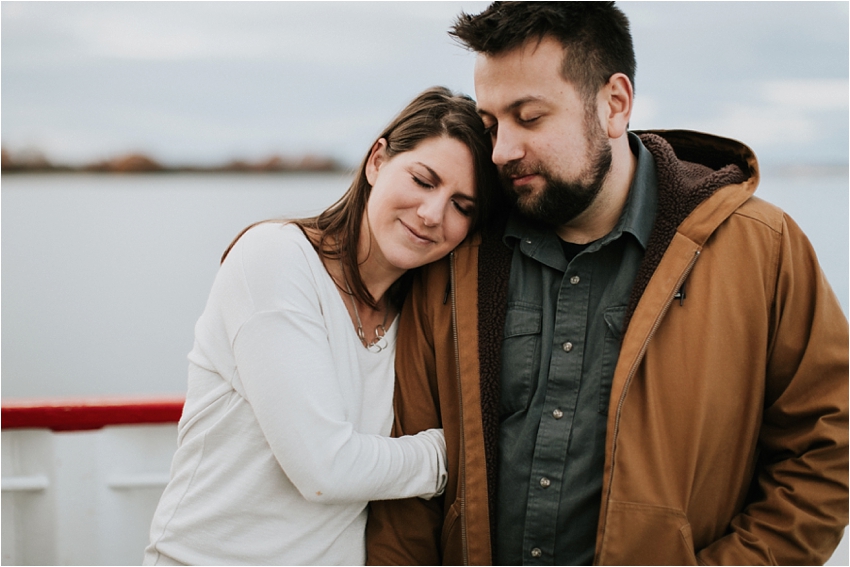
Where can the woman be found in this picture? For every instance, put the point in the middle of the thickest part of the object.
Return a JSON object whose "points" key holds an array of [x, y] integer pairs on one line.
{"points": [[282, 441]]}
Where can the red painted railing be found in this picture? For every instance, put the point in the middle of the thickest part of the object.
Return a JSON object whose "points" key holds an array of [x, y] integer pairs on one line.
{"points": [[79, 414]]}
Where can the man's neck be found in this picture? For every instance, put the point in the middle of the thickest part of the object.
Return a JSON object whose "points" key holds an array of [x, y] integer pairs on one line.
{"points": [[602, 215]]}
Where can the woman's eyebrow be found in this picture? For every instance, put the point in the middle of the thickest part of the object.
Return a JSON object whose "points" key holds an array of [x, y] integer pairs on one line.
{"points": [[436, 178], [465, 197]]}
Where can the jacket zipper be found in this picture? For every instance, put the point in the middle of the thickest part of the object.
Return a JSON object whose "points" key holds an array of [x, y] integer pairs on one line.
{"points": [[633, 369], [462, 463]]}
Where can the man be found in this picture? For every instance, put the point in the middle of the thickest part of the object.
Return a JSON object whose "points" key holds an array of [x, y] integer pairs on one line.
{"points": [[643, 364]]}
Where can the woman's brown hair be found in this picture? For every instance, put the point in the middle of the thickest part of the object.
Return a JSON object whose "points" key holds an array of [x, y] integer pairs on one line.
{"points": [[436, 112]]}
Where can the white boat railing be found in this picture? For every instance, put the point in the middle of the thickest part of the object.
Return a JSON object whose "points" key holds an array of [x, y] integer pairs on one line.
{"points": [[82, 478]]}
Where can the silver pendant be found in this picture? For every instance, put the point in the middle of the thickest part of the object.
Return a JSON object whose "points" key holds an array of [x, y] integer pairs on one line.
{"points": [[380, 342]]}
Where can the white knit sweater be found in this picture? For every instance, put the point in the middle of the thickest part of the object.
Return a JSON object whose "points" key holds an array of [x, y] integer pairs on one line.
{"points": [[282, 441]]}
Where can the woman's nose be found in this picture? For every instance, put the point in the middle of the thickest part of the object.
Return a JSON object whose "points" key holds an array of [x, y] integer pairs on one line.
{"points": [[431, 210]]}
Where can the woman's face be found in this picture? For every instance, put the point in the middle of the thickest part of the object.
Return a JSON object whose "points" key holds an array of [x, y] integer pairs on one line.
{"points": [[422, 201]]}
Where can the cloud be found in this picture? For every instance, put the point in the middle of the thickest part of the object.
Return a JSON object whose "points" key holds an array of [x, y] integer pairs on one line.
{"points": [[800, 111], [708, 42], [760, 125], [339, 33], [808, 94], [645, 112], [188, 79]]}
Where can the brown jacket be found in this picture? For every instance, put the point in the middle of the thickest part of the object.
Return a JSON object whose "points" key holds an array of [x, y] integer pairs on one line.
{"points": [[727, 430]]}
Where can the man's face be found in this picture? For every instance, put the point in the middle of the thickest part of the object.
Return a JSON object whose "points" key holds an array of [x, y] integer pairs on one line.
{"points": [[551, 151]]}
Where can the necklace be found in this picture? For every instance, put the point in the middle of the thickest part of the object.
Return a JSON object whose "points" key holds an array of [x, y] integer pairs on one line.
{"points": [[379, 343]]}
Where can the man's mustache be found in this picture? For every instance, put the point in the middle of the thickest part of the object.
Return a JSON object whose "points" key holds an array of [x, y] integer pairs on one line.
{"points": [[519, 169]]}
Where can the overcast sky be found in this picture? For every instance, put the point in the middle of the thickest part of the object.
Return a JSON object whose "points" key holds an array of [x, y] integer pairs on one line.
{"points": [[205, 82]]}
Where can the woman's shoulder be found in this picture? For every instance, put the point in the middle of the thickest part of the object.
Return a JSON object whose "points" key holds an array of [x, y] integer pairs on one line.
{"points": [[268, 240], [274, 261], [279, 231], [273, 250]]}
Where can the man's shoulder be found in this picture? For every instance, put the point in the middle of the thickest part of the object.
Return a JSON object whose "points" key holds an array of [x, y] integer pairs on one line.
{"points": [[464, 251], [761, 211]]}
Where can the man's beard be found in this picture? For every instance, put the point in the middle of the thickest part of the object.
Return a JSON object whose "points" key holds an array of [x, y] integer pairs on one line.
{"points": [[560, 201]]}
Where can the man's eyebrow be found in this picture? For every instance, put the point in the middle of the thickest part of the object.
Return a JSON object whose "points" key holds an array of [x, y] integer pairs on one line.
{"points": [[515, 104], [523, 101]]}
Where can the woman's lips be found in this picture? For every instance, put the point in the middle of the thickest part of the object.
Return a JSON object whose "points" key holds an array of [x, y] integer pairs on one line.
{"points": [[416, 235]]}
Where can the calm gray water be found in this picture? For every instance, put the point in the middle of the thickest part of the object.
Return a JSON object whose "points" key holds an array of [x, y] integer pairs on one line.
{"points": [[103, 277]]}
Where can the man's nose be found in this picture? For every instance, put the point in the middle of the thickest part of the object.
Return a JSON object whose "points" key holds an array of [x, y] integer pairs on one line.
{"points": [[507, 146]]}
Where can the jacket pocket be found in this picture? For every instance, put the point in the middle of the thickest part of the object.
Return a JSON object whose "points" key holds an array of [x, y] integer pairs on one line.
{"points": [[520, 356], [641, 534], [610, 353], [451, 542]]}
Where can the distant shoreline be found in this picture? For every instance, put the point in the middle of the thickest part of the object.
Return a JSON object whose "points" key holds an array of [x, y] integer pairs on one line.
{"points": [[137, 163], [171, 171], [141, 163]]}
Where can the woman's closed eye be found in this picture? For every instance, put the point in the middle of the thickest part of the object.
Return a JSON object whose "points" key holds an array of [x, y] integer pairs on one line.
{"points": [[465, 210], [421, 182]]}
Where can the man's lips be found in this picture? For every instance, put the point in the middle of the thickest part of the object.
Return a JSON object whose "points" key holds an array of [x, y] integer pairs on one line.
{"points": [[517, 175], [522, 179], [417, 235]]}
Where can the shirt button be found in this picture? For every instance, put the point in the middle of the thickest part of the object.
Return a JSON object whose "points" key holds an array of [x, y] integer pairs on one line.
{"points": [[545, 482], [557, 414], [574, 280], [536, 552], [568, 346]]}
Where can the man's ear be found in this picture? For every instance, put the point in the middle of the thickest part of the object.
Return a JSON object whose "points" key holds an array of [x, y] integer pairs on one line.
{"points": [[618, 97], [377, 158]]}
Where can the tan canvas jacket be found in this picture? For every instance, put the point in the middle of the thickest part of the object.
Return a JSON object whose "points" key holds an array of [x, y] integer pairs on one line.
{"points": [[728, 420]]}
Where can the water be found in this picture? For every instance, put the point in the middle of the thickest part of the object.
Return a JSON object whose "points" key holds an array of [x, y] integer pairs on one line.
{"points": [[103, 277]]}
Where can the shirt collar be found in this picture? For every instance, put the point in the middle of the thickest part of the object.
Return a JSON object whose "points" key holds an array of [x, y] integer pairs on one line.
{"points": [[638, 216]]}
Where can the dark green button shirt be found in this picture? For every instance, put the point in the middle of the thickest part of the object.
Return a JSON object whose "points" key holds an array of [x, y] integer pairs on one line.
{"points": [[561, 343]]}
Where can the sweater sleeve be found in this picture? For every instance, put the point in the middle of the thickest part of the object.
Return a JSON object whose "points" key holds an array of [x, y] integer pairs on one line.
{"points": [[798, 506], [287, 372]]}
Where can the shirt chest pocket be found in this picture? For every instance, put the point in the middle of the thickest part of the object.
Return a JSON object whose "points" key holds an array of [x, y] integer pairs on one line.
{"points": [[613, 317], [520, 356]]}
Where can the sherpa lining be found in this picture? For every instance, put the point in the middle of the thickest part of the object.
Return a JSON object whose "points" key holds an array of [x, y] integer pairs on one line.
{"points": [[492, 283]]}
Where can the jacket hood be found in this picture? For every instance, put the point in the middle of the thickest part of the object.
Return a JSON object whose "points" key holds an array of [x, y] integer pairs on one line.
{"points": [[692, 167]]}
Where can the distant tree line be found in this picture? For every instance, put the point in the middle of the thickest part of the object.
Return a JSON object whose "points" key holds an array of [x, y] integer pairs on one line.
{"points": [[36, 162]]}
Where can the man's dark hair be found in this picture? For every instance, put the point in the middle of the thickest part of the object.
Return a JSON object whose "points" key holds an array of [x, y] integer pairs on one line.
{"points": [[595, 36]]}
